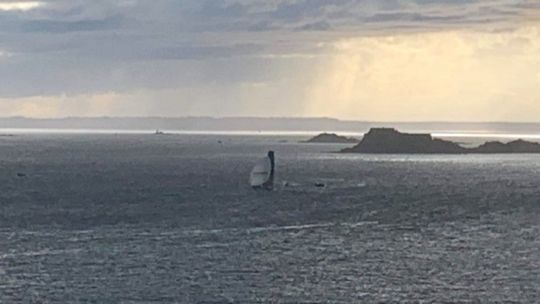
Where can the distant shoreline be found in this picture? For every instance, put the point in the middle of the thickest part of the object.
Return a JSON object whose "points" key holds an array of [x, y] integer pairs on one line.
{"points": [[449, 134], [250, 125]]}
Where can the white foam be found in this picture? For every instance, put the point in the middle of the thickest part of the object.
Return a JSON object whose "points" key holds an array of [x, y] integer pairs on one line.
{"points": [[279, 228], [44, 252]]}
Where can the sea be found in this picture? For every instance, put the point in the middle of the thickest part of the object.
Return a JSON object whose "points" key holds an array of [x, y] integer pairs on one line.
{"points": [[128, 217]]}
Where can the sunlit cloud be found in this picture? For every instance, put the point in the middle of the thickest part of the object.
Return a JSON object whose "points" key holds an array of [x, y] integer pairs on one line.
{"points": [[62, 105], [452, 75], [4, 55], [20, 5]]}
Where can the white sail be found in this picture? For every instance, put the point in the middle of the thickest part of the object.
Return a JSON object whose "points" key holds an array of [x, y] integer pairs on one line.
{"points": [[261, 172]]}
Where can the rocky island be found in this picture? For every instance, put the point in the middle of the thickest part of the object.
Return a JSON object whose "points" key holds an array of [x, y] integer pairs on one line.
{"points": [[391, 141], [331, 138]]}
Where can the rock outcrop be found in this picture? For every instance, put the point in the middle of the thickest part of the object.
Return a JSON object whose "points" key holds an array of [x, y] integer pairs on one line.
{"points": [[517, 146], [331, 138], [390, 141]]}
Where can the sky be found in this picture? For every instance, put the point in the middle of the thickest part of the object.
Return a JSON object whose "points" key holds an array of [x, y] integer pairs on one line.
{"points": [[376, 60]]}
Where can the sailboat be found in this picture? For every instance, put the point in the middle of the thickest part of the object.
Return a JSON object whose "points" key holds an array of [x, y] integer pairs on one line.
{"points": [[262, 174]]}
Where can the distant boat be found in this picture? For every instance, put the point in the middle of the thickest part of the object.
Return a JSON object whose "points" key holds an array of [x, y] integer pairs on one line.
{"points": [[262, 175], [158, 132]]}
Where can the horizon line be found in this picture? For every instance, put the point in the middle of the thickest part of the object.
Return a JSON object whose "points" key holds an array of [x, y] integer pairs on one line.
{"points": [[437, 134], [270, 118]]}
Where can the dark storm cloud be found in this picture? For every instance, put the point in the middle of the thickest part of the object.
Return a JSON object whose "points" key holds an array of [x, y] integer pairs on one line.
{"points": [[86, 46]]}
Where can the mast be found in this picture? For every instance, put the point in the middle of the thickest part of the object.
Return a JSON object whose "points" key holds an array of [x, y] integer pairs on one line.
{"points": [[269, 185]]}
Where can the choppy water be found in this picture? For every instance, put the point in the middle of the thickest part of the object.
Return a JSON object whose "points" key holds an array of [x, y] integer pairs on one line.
{"points": [[170, 219]]}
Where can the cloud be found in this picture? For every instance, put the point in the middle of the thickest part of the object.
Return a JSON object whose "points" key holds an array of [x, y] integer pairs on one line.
{"points": [[315, 26], [450, 75], [52, 26], [84, 48], [19, 5]]}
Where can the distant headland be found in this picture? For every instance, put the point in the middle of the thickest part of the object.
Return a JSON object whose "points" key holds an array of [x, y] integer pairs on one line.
{"points": [[257, 124], [332, 138], [391, 141]]}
